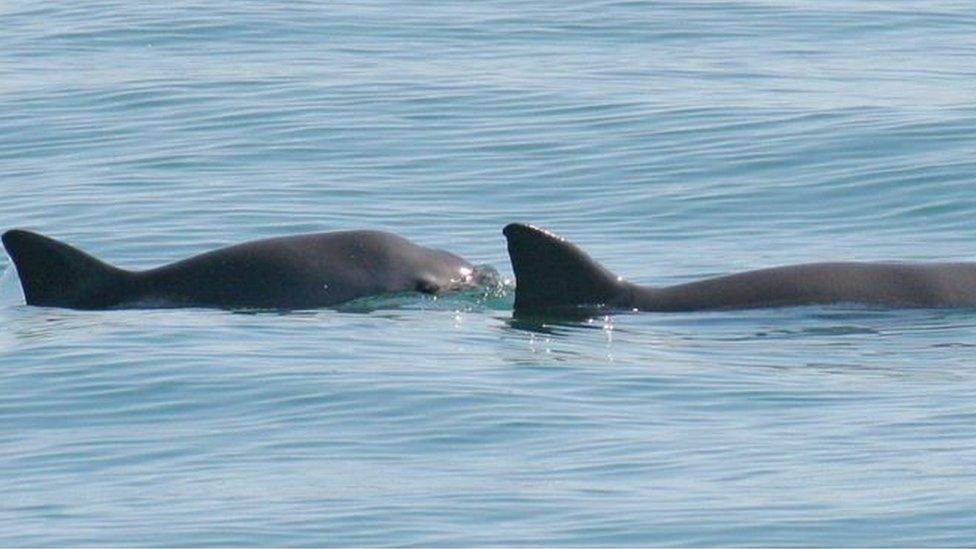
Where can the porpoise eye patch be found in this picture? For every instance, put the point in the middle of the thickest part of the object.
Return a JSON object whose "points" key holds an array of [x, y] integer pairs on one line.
{"points": [[427, 287]]}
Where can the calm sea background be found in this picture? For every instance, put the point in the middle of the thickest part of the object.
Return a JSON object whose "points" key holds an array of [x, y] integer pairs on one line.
{"points": [[670, 139]]}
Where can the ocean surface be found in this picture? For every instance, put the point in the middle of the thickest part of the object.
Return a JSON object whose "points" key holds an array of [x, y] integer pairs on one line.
{"points": [[670, 139]]}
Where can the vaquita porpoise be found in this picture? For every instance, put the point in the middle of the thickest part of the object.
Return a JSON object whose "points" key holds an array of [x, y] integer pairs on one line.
{"points": [[555, 276], [292, 272]]}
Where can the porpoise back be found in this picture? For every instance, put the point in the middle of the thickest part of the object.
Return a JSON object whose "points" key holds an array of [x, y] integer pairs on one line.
{"points": [[555, 276]]}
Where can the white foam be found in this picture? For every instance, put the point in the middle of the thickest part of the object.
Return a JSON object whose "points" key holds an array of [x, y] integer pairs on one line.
{"points": [[11, 292]]}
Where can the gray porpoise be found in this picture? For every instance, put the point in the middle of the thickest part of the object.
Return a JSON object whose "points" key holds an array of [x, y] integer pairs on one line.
{"points": [[554, 276], [292, 272]]}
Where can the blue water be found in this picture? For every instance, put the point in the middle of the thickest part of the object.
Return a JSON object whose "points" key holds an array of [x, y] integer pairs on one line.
{"points": [[672, 140]]}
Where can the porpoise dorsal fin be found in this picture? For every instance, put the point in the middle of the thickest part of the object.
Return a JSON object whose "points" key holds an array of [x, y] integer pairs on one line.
{"points": [[55, 274], [553, 275]]}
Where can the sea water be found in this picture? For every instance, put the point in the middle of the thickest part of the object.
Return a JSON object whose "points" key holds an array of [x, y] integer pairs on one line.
{"points": [[672, 140]]}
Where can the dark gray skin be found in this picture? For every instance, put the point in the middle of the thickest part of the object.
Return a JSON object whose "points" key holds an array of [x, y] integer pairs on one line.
{"points": [[554, 276], [293, 272]]}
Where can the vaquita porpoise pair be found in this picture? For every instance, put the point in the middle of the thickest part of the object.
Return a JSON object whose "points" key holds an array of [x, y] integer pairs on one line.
{"points": [[552, 276]]}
